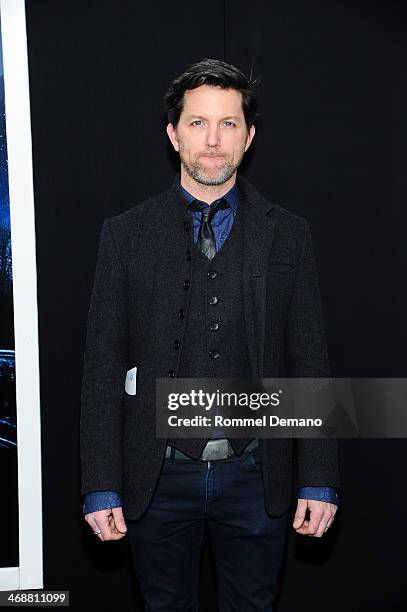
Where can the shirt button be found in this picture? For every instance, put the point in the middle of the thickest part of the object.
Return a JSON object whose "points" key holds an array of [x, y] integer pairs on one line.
{"points": [[213, 300], [186, 226], [181, 313], [171, 373], [214, 354], [214, 326], [212, 274], [176, 344], [186, 283]]}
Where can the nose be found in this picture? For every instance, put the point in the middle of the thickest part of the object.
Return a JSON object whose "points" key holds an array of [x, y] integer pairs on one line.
{"points": [[213, 135]]}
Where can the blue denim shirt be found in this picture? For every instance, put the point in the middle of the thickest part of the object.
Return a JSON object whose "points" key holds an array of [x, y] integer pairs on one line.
{"points": [[221, 225]]}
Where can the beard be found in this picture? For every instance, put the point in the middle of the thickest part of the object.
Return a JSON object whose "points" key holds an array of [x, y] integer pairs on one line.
{"points": [[215, 175]]}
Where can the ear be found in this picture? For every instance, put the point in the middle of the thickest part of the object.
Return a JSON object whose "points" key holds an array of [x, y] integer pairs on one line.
{"points": [[172, 135], [250, 137]]}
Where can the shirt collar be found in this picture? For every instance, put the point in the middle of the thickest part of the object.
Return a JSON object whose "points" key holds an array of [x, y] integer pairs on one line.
{"points": [[231, 197]]}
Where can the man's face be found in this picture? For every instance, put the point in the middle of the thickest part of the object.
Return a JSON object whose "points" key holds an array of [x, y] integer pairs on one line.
{"points": [[211, 136]]}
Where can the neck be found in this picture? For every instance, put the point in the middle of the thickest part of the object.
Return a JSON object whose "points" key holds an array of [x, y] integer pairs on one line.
{"points": [[205, 193]]}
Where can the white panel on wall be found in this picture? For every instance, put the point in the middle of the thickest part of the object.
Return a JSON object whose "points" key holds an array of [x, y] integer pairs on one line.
{"points": [[29, 573]]}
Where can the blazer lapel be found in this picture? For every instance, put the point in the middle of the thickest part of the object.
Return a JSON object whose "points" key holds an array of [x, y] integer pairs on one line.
{"points": [[258, 233]]}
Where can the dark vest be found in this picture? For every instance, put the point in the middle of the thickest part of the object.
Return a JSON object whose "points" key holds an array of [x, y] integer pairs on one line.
{"points": [[214, 344]]}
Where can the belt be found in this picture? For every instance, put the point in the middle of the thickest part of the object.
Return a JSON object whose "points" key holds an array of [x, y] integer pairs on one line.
{"points": [[213, 451]]}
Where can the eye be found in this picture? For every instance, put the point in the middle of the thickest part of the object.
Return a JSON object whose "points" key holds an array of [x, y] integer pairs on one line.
{"points": [[230, 123], [196, 121]]}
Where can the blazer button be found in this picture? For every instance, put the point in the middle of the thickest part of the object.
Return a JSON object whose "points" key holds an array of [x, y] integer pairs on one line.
{"points": [[176, 344], [171, 373], [186, 283], [214, 354], [188, 254], [213, 300], [212, 274], [181, 313], [214, 326], [186, 226]]}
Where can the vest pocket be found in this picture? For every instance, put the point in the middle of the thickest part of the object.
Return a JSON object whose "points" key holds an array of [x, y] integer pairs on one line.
{"points": [[281, 267]]}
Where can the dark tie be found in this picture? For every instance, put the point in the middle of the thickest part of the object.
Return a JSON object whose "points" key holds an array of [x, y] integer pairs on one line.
{"points": [[206, 237]]}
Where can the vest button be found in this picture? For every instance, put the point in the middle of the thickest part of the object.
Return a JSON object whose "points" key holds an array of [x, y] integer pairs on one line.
{"points": [[186, 226], [212, 274], [176, 344], [186, 283], [181, 313], [214, 354], [171, 373], [214, 326], [213, 300]]}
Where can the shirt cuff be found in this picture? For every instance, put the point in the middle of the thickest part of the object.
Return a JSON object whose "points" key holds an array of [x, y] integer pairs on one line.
{"points": [[101, 500], [326, 494]]}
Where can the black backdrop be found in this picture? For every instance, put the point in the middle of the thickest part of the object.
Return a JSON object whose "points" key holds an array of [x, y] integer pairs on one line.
{"points": [[330, 146]]}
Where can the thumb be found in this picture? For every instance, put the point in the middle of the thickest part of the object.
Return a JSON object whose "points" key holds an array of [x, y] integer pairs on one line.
{"points": [[300, 513], [119, 520]]}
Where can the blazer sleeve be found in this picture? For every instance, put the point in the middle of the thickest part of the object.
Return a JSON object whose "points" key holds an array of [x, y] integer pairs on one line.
{"points": [[104, 369], [307, 356]]}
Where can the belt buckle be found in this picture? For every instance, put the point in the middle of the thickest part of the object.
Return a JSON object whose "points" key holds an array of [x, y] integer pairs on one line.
{"points": [[215, 449]]}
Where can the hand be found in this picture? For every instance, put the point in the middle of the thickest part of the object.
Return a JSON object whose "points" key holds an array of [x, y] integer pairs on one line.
{"points": [[110, 522], [322, 515]]}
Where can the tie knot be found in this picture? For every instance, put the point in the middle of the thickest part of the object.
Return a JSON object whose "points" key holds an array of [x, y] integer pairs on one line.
{"points": [[208, 212]]}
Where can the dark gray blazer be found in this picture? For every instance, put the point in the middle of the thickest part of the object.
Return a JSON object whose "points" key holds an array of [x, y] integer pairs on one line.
{"points": [[142, 263]]}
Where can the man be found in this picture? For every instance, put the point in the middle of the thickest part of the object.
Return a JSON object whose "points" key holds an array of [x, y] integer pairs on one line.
{"points": [[208, 280]]}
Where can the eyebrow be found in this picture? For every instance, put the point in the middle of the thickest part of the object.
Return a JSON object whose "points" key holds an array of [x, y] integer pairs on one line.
{"points": [[226, 117]]}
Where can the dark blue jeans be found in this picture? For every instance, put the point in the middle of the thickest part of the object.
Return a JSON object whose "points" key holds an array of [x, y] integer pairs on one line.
{"points": [[248, 544]]}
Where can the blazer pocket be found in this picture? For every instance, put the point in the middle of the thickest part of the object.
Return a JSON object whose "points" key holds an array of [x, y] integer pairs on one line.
{"points": [[130, 385], [282, 267]]}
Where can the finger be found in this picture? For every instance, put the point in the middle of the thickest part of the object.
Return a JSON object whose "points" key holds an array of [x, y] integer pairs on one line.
{"points": [[102, 522], [330, 521], [98, 532], [316, 516], [322, 526], [112, 526], [300, 513], [303, 529], [90, 518], [327, 518], [114, 533], [120, 523]]}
